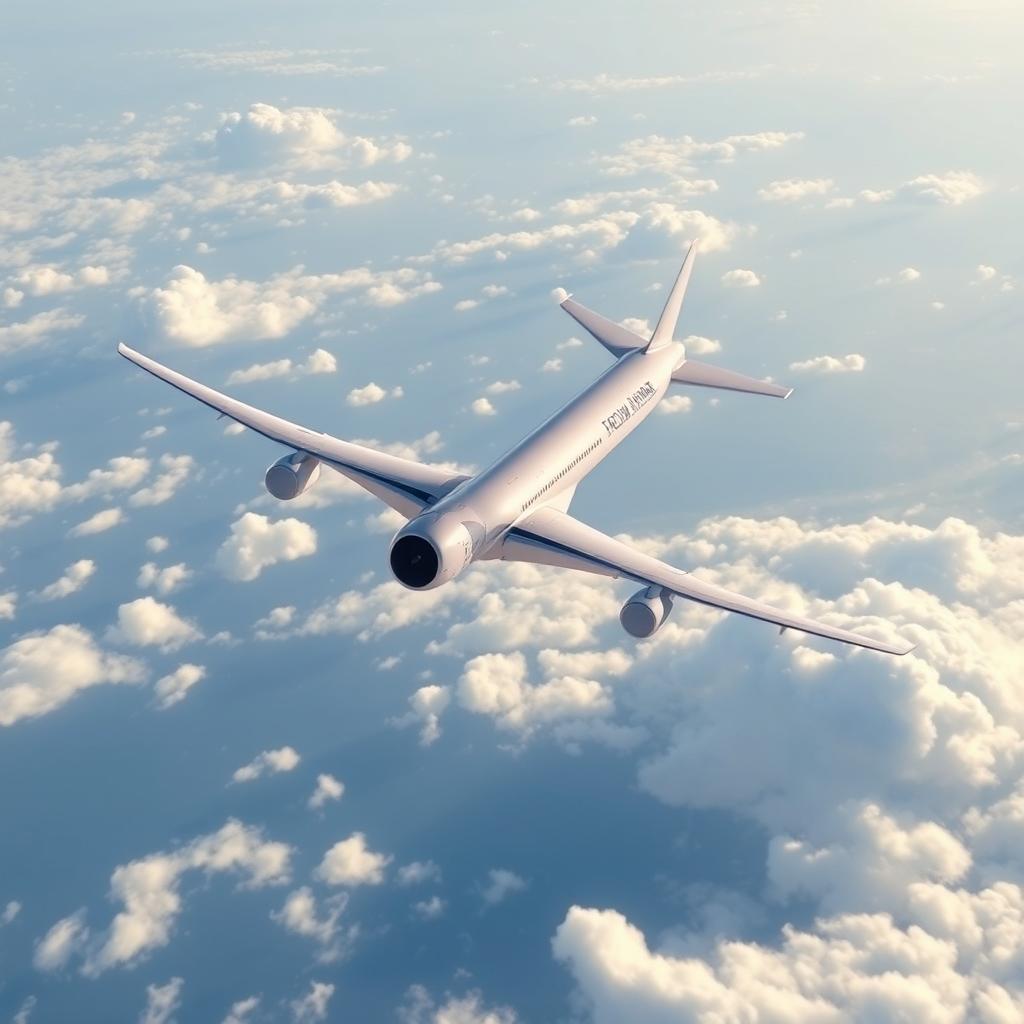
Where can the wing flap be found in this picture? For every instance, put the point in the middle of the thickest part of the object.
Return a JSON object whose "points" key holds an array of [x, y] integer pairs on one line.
{"points": [[403, 484], [550, 537]]}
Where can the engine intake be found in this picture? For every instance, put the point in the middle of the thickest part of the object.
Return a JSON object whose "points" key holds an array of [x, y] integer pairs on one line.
{"points": [[289, 477], [645, 612], [432, 549]]}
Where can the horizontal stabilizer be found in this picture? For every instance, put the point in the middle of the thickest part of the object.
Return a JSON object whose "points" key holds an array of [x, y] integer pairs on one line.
{"points": [[617, 339], [706, 376]]}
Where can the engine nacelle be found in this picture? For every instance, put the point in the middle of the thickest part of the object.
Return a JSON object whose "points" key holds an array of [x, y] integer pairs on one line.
{"points": [[289, 477], [433, 548], [645, 612]]}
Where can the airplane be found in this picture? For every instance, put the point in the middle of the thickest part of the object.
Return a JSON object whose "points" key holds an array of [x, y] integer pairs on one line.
{"points": [[517, 509]]}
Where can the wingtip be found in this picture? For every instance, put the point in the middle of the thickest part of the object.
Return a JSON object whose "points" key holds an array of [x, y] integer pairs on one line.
{"points": [[788, 393]]}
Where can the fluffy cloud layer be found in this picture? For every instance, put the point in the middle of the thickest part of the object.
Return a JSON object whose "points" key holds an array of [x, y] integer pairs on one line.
{"points": [[257, 543], [146, 622], [306, 136], [195, 311], [40, 672], [269, 762], [149, 892], [351, 862]]}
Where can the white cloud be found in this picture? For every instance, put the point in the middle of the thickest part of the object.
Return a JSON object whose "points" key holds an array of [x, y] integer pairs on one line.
{"points": [[122, 473], [50, 280], [582, 121], [257, 543], [600, 233], [741, 279], [146, 622], [792, 190], [176, 470], [906, 276], [866, 861], [675, 404], [10, 912], [327, 788], [851, 967], [465, 305], [550, 366], [300, 915], [950, 189], [319, 361], [370, 394], [350, 862], [173, 688], [270, 762], [8, 604], [698, 345], [429, 909], [418, 872], [985, 272], [677, 156], [420, 1008], [496, 685], [304, 136], [501, 884], [149, 889], [852, 363], [162, 1001], [39, 672], [426, 706], [65, 939], [241, 1010], [198, 312], [483, 407], [37, 329], [313, 1005], [715, 235], [157, 544], [28, 485], [276, 61], [164, 581], [501, 387]]}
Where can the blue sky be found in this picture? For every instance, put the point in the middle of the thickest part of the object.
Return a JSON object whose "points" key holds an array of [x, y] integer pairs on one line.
{"points": [[247, 777]]}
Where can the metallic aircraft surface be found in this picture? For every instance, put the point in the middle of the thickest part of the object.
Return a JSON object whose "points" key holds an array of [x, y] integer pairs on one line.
{"points": [[517, 508]]}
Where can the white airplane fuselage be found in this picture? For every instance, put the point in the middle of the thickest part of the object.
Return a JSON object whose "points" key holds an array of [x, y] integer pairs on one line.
{"points": [[467, 524]]}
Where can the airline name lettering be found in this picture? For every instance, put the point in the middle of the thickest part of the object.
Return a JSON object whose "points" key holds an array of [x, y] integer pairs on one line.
{"points": [[634, 402]]}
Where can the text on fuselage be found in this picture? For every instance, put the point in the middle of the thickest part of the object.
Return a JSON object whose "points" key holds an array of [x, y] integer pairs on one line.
{"points": [[635, 401]]}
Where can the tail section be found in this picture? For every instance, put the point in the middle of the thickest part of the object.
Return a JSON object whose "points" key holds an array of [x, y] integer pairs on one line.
{"points": [[621, 340], [670, 314]]}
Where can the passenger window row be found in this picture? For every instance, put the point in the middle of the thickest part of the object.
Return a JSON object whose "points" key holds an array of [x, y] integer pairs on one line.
{"points": [[558, 476]]}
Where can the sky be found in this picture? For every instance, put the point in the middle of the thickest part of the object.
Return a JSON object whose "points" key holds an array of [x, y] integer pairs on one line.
{"points": [[248, 777]]}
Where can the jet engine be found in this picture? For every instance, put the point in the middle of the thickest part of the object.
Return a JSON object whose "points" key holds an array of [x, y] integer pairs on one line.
{"points": [[433, 548], [289, 477], [645, 612]]}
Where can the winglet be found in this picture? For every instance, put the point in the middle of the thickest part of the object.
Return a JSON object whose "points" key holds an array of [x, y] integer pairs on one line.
{"points": [[670, 314]]}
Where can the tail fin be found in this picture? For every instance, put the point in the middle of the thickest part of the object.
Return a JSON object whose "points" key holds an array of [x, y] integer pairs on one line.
{"points": [[670, 314]]}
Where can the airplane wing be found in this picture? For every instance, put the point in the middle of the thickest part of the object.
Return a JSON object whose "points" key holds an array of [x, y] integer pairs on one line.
{"points": [[405, 485], [550, 537]]}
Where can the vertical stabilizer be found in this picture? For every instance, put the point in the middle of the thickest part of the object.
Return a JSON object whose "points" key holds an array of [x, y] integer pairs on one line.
{"points": [[670, 314]]}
